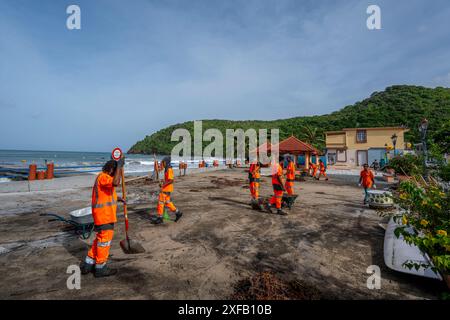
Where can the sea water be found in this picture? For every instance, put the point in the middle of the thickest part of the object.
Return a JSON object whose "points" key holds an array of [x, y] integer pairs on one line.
{"points": [[134, 163]]}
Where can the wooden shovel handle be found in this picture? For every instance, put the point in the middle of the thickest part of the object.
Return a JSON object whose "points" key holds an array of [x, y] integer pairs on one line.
{"points": [[124, 197]]}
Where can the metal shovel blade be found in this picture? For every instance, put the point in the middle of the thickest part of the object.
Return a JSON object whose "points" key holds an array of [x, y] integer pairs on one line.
{"points": [[131, 246]]}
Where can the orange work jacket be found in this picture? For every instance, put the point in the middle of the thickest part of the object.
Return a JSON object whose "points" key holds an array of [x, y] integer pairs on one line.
{"points": [[168, 175], [254, 174], [104, 200], [290, 172]]}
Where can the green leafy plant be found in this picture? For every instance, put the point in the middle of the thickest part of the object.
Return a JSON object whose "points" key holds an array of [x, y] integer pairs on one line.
{"points": [[407, 164], [426, 208]]}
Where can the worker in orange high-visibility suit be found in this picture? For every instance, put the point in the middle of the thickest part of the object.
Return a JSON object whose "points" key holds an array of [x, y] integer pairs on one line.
{"points": [[322, 170], [313, 168], [165, 192], [290, 176], [367, 181], [254, 176], [278, 188], [104, 207]]}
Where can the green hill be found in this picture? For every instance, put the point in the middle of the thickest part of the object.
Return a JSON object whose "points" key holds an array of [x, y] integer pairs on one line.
{"points": [[397, 105]]}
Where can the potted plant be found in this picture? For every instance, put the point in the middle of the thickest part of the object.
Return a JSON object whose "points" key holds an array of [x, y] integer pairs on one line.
{"points": [[426, 208]]}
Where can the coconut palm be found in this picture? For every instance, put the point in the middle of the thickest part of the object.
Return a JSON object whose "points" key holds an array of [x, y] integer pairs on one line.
{"points": [[311, 135]]}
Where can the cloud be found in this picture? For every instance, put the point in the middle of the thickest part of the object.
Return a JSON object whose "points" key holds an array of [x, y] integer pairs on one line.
{"points": [[136, 67]]}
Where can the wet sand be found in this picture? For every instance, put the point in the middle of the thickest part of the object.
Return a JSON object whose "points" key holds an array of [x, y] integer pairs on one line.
{"points": [[327, 241]]}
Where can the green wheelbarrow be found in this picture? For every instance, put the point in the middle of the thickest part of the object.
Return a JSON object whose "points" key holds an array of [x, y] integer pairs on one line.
{"points": [[81, 221], [286, 202]]}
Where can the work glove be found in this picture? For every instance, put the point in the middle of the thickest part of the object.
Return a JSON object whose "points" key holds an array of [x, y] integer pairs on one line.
{"points": [[374, 186], [359, 184]]}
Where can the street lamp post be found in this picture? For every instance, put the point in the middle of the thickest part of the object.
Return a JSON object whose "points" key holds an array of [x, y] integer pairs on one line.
{"points": [[394, 141], [423, 128]]}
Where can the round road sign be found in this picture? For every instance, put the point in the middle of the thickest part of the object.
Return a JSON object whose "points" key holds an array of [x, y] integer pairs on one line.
{"points": [[117, 154]]}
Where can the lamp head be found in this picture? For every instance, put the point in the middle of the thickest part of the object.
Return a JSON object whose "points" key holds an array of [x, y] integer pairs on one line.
{"points": [[423, 125], [394, 138]]}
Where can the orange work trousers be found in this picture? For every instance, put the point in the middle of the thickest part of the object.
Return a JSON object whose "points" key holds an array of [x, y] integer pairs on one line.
{"points": [[277, 198], [99, 251], [289, 186], [254, 189], [164, 201], [322, 173], [314, 172]]}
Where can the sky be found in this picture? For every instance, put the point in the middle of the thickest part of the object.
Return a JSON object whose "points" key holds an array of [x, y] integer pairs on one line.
{"points": [[138, 66]]}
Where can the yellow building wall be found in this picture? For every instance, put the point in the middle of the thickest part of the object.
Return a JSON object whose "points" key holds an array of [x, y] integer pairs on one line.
{"points": [[376, 139], [334, 139]]}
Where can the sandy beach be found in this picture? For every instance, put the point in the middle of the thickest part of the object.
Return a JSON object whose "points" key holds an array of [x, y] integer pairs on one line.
{"points": [[327, 241]]}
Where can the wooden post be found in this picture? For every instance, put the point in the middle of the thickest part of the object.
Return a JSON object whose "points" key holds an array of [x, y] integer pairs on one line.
{"points": [[307, 157]]}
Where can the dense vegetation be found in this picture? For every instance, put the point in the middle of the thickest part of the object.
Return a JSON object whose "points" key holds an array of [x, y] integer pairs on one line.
{"points": [[397, 105]]}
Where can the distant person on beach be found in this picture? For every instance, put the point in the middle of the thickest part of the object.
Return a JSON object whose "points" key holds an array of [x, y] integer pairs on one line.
{"points": [[313, 168], [290, 176], [278, 188], [322, 170], [367, 181], [254, 175], [375, 165], [165, 193], [104, 208]]}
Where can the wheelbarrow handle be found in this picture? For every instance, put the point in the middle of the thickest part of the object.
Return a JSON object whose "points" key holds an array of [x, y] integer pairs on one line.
{"points": [[53, 215]]}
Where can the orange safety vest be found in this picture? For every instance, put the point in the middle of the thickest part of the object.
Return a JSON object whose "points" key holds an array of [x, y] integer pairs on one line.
{"points": [[277, 171], [254, 174], [290, 172], [104, 200], [168, 175]]}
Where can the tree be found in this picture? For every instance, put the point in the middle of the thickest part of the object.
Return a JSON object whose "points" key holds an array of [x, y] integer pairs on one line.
{"points": [[442, 137], [311, 135]]}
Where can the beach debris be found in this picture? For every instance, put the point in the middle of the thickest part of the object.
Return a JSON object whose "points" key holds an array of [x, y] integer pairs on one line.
{"points": [[267, 286]]}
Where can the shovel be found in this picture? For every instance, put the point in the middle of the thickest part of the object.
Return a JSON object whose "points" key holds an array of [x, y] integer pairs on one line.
{"points": [[128, 246]]}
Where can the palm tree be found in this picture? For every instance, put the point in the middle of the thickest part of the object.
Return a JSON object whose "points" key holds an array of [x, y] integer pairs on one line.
{"points": [[311, 135]]}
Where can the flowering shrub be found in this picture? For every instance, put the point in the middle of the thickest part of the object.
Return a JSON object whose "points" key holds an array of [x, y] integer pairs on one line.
{"points": [[407, 164], [427, 210]]}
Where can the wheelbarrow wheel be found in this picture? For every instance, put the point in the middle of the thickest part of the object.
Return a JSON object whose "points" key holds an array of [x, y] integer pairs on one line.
{"points": [[85, 231]]}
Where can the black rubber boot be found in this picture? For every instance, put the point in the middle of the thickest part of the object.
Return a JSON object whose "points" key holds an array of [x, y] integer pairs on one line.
{"points": [[157, 220], [86, 268], [281, 212], [267, 207], [178, 215], [104, 272]]}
